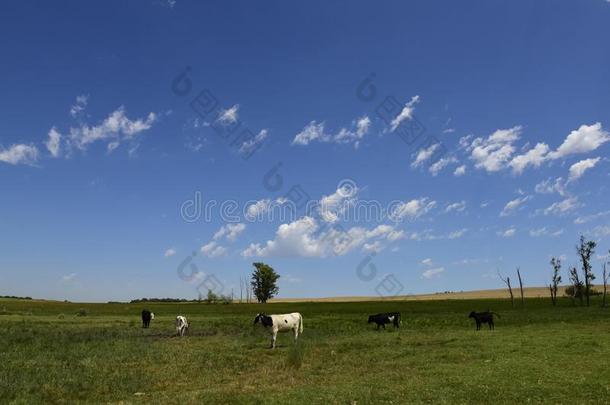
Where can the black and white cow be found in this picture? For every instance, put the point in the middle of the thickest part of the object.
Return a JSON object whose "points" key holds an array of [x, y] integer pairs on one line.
{"points": [[281, 323], [483, 317], [182, 325], [383, 319], [147, 316]]}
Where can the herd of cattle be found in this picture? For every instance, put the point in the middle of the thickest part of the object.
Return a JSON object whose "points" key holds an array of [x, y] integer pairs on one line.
{"points": [[294, 322]]}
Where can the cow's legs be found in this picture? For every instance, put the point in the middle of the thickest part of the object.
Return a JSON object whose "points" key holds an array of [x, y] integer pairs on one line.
{"points": [[296, 334], [273, 338]]}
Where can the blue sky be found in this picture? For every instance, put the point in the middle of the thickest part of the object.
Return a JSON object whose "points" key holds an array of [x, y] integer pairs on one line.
{"points": [[105, 165]]}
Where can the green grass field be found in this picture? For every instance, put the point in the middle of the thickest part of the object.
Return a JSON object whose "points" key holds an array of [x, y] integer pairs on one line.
{"points": [[539, 354]]}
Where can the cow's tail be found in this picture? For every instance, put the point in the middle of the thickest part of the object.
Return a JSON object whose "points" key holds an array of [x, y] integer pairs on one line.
{"points": [[300, 323]]}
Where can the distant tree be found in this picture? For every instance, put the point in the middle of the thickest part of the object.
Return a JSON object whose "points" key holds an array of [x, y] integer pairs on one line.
{"points": [[264, 282], [556, 263], [510, 289], [585, 250], [212, 297]]}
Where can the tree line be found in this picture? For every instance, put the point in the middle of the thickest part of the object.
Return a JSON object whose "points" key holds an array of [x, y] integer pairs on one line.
{"points": [[581, 279]]}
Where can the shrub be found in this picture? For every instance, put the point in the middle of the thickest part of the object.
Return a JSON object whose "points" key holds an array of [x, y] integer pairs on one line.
{"points": [[82, 312], [580, 291]]}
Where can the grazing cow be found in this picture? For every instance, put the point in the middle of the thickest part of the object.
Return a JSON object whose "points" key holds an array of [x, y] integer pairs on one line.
{"points": [[382, 319], [182, 325], [147, 316], [483, 317], [281, 323]]}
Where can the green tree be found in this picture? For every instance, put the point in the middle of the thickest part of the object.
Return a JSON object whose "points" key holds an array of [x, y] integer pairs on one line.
{"points": [[556, 263], [585, 250], [264, 282]]}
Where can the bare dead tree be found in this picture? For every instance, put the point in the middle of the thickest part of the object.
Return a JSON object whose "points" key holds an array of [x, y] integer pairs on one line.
{"points": [[241, 290], [556, 263], [521, 287], [510, 289], [577, 285]]}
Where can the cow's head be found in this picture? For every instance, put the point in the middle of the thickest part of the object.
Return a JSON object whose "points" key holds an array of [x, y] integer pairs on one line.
{"points": [[263, 319], [371, 319], [152, 316], [472, 314]]}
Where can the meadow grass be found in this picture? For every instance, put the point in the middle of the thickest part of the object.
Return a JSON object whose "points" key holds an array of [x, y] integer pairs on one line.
{"points": [[48, 354]]}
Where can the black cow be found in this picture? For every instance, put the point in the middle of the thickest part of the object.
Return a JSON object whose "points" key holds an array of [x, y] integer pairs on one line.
{"points": [[483, 317], [388, 317], [147, 316]]}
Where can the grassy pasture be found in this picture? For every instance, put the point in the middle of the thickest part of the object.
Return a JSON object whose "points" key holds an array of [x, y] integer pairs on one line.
{"points": [[540, 354]]}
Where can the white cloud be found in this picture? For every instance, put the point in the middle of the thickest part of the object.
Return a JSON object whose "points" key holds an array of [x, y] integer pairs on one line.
{"points": [[589, 218], [513, 205], [405, 114], [457, 206], [549, 186], [259, 208], [494, 152], [213, 250], [585, 139], [362, 126], [53, 144], [79, 106], [433, 273], [579, 168], [19, 154], [460, 171], [424, 154], [116, 128], [534, 157], [427, 262], [251, 145], [333, 205], [507, 233], [440, 164], [230, 231], [412, 209], [544, 232], [600, 231], [68, 277], [562, 207], [374, 247], [292, 239], [169, 252], [457, 234], [314, 131], [303, 238], [228, 116]]}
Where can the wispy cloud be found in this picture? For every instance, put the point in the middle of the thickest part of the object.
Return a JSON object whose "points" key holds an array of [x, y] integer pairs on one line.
{"points": [[405, 114], [433, 273], [514, 205]]}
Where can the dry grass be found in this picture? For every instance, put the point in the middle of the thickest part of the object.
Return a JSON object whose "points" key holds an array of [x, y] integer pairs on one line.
{"points": [[530, 292]]}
